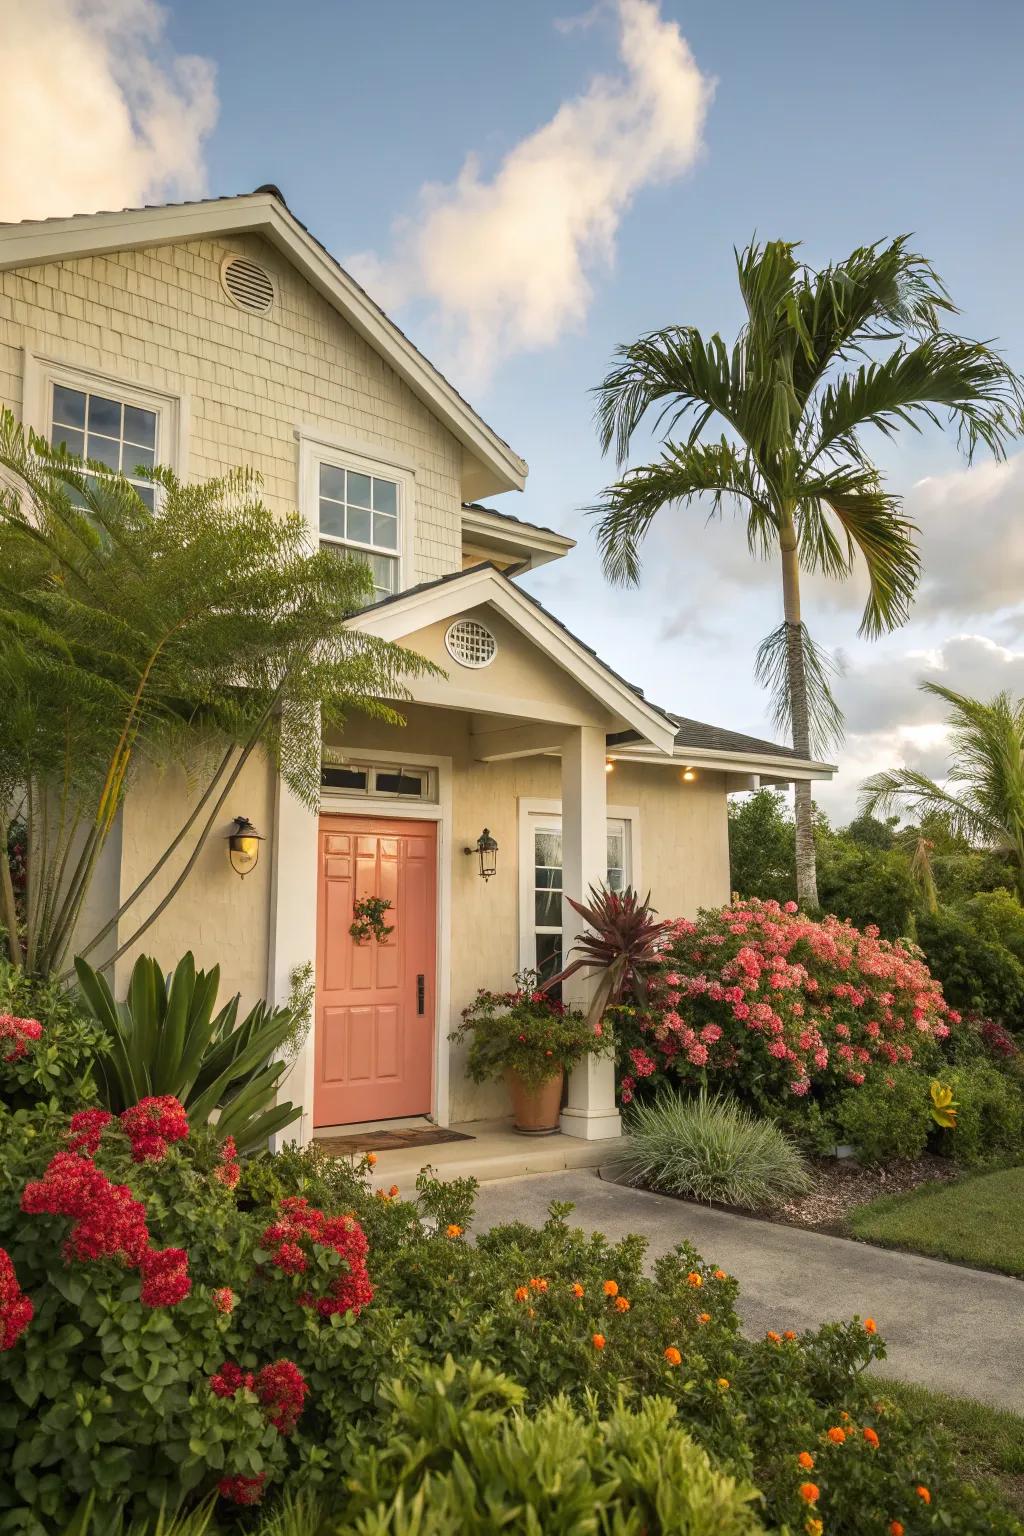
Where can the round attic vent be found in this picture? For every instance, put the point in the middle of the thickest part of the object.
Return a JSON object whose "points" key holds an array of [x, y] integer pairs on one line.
{"points": [[247, 284], [470, 644]]}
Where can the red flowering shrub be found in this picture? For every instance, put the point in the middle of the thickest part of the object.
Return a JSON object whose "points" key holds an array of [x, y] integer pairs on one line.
{"points": [[108, 1222], [291, 1240], [85, 1130], [152, 1124], [165, 1279], [16, 1310], [773, 1004], [281, 1389], [16, 1035], [243, 1490]]}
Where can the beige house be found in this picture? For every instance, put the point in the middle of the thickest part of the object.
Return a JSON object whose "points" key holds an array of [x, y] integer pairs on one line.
{"points": [[221, 333]]}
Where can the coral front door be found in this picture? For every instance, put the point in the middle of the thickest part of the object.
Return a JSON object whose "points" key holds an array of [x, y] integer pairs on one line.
{"points": [[375, 997]]}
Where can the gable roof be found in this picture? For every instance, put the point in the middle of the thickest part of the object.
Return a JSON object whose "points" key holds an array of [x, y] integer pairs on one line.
{"points": [[490, 465], [527, 544], [399, 615]]}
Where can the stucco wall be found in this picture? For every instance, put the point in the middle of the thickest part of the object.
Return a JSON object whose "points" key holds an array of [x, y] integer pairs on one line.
{"points": [[683, 854], [159, 318]]}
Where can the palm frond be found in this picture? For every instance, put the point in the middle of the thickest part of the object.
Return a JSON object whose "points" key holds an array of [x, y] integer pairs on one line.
{"points": [[772, 672], [904, 789], [871, 525], [675, 368]]}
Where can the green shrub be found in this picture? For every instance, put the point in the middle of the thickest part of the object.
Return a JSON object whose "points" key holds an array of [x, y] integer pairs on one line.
{"points": [[868, 886], [990, 1115], [61, 1068], [166, 1039], [526, 1031], [889, 1117], [712, 1149], [979, 974]]}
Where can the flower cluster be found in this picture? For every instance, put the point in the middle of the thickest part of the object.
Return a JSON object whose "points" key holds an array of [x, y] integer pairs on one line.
{"points": [[16, 1310], [227, 1171], [86, 1128], [281, 1389], [292, 1238], [107, 1223], [152, 1124], [765, 993], [16, 1035], [242, 1490]]}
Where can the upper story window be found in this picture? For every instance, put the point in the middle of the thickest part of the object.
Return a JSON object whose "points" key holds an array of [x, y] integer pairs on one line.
{"points": [[360, 513], [113, 432]]}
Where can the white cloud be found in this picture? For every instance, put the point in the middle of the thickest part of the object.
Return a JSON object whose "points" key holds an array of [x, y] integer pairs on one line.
{"points": [[506, 262], [96, 111], [972, 539]]}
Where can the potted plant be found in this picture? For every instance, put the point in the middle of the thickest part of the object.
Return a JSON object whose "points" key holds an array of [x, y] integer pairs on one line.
{"points": [[531, 1039]]}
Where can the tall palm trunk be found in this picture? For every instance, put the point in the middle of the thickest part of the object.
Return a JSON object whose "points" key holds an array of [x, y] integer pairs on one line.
{"points": [[803, 809]]}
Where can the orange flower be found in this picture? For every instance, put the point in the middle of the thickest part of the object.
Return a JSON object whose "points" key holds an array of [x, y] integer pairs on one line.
{"points": [[578, 1290], [703, 1317], [621, 1304], [789, 1334], [896, 1528], [870, 1326], [521, 1293], [871, 1438], [837, 1435], [773, 1337], [393, 1191], [720, 1274], [371, 1159], [923, 1494], [454, 1230], [723, 1383], [813, 1527], [694, 1279], [610, 1288], [806, 1460], [538, 1284], [810, 1492], [673, 1356], [598, 1341]]}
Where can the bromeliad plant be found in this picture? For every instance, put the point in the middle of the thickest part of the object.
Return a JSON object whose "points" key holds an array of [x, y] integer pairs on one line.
{"points": [[166, 1040], [623, 945], [526, 1031]]}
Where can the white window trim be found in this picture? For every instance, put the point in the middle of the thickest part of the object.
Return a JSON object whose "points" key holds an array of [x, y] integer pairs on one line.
{"points": [[314, 451], [529, 811], [41, 373]]}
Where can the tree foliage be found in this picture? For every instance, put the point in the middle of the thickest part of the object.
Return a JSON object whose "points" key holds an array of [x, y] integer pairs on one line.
{"points": [[198, 635]]}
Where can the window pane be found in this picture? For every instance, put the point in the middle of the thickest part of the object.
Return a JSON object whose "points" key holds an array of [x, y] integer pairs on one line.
{"points": [[146, 494], [385, 496], [104, 450], [385, 530], [343, 778], [383, 571], [548, 879], [72, 441], [332, 519], [358, 525], [548, 909], [68, 406], [549, 954], [136, 458], [332, 482], [615, 880], [140, 427], [104, 416], [358, 489], [398, 783], [548, 848]]}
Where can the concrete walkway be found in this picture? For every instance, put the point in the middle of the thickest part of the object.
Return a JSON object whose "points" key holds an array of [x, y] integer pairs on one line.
{"points": [[954, 1329]]}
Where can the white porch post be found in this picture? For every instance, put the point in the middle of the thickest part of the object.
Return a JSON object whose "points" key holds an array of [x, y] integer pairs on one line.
{"points": [[590, 1112], [293, 892]]}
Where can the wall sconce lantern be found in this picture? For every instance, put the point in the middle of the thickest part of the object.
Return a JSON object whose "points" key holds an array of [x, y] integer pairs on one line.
{"points": [[244, 846], [487, 850], [689, 774], [609, 766]]}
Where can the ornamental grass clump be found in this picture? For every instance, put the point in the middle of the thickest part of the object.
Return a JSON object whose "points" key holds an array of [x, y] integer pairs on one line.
{"points": [[711, 1149]]}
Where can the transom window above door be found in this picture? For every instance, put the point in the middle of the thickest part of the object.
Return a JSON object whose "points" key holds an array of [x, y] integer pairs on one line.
{"points": [[361, 514], [96, 425]]}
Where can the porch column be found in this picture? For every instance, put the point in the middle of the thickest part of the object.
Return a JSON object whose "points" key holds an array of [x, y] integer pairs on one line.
{"points": [[590, 1112]]}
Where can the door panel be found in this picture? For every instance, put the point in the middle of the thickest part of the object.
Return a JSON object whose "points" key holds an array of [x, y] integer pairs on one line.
{"points": [[374, 1050]]}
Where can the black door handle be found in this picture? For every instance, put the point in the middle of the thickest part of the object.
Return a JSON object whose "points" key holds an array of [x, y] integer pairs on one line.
{"points": [[419, 992]]}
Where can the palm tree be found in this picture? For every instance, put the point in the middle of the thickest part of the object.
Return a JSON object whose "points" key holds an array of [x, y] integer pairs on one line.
{"points": [[791, 400], [982, 796]]}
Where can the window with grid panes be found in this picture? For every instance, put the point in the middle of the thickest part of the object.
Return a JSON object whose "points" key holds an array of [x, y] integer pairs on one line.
{"points": [[93, 424], [547, 885], [359, 513]]}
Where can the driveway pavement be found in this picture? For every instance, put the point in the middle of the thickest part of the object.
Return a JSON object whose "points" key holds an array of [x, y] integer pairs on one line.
{"points": [[955, 1329]]}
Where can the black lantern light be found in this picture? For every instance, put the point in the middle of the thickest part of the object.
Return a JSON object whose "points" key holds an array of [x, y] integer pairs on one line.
{"points": [[244, 846], [487, 850]]}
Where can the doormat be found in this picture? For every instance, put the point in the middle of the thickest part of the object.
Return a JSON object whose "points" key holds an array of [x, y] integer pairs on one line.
{"points": [[389, 1141]]}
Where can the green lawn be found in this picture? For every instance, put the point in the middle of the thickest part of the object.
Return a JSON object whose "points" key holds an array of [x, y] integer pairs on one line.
{"points": [[977, 1220], [989, 1442]]}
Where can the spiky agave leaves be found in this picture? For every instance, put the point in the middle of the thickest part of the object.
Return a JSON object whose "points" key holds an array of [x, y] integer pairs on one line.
{"points": [[624, 940]]}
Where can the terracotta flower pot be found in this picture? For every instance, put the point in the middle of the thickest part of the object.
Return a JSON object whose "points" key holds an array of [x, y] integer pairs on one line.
{"points": [[536, 1109]]}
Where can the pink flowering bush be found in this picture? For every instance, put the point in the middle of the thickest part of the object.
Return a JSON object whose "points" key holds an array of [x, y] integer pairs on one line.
{"points": [[782, 1009]]}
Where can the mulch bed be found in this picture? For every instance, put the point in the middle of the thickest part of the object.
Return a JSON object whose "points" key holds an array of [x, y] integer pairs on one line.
{"points": [[840, 1184]]}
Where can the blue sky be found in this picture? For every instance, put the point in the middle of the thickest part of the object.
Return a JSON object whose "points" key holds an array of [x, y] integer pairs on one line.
{"points": [[830, 124]]}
